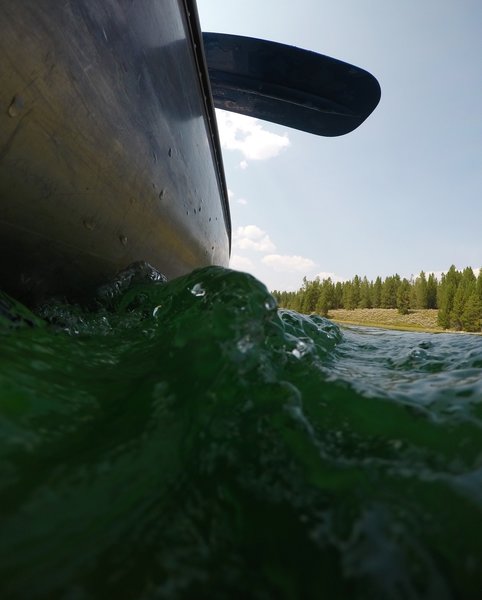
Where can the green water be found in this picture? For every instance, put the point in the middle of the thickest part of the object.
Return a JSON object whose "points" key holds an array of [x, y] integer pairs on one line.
{"points": [[188, 440]]}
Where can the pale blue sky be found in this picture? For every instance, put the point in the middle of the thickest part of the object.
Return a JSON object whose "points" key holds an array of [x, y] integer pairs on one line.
{"points": [[400, 194]]}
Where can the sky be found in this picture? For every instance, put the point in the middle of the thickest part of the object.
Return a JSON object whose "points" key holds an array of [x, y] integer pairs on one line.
{"points": [[403, 192]]}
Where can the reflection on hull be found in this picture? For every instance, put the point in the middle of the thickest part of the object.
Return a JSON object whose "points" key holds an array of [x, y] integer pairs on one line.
{"points": [[108, 145]]}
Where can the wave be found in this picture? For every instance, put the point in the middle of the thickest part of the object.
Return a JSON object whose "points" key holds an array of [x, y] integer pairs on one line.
{"points": [[189, 440]]}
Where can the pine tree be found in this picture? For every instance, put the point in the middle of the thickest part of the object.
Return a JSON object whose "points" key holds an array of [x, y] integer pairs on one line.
{"points": [[389, 291], [432, 287], [349, 298], [413, 293], [479, 284], [310, 292], [445, 302], [468, 278], [453, 276], [323, 305], [458, 307], [365, 294], [338, 295], [377, 293], [465, 286], [325, 297], [328, 289], [472, 315], [403, 297], [421, 291], [356, 291]]}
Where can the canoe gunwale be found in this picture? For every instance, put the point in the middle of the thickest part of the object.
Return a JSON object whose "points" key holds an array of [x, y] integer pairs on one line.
{"points": [[203, 72]]}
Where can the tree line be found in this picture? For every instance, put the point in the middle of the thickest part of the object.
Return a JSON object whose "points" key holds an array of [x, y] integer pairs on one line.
{"points": [[457, 296]]}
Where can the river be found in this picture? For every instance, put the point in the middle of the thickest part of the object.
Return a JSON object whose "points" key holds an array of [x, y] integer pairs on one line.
{"points": [[190, 440]]}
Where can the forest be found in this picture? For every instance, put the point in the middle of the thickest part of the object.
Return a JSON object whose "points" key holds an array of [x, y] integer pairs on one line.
{"points": [[457, 296]]}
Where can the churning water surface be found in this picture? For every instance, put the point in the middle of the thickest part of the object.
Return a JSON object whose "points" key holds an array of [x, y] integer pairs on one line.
{"points": [[189, 440]]}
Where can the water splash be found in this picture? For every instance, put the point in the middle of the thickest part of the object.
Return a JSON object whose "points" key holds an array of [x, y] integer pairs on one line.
{"points": [[159, 446], [136, 273], [198, 290]]}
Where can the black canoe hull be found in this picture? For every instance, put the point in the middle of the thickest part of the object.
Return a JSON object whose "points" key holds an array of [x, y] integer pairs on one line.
{"points": [[108, 145]]}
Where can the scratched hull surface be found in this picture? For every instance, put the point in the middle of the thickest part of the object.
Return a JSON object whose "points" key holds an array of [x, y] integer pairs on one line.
{"points": [[108, 147]]}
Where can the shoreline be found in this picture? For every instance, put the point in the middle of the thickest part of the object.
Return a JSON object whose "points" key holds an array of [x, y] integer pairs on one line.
{"points": [[406, 329], [416, 321], [413, 329]]}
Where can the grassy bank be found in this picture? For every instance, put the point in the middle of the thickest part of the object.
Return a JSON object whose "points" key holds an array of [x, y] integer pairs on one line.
{"points": [[389, 318]]}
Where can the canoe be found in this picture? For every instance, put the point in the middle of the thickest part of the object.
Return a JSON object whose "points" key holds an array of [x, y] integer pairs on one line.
{"points": [[109, 152]]}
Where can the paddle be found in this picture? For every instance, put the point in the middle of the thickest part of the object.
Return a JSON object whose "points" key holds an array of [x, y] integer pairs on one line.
{"points": [[288, 85]]}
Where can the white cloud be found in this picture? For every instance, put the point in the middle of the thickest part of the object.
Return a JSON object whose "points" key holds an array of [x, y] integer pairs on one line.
{"points": [[333, 276], [240, 263], [252, 237], [232, 198], [438, 274], [280, 262], [243, 165], [247, 135]]}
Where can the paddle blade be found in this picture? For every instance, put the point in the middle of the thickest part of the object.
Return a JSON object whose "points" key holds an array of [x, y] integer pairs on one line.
{"points": [[287, 85]]}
